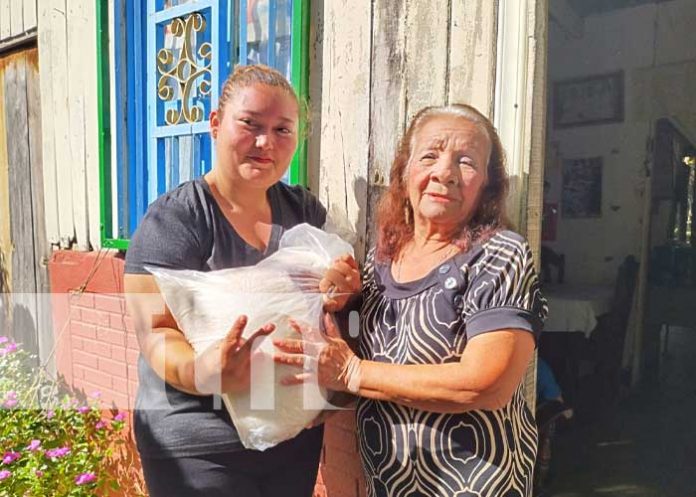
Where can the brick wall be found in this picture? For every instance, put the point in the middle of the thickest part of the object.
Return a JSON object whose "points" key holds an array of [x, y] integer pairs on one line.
{"points": [[96, 349]]}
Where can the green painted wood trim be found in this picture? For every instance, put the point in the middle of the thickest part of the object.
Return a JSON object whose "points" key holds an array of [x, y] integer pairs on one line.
{"points": [[115, 243], [300, 81], [104, 111]]}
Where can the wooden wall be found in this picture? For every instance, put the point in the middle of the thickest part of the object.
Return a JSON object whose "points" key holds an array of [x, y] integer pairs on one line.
{"points": [[68, 64], [373, 64], [18, 19]]}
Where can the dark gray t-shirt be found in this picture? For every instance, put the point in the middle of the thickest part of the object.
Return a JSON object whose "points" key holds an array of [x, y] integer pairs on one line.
{"points": [[185, 229]]}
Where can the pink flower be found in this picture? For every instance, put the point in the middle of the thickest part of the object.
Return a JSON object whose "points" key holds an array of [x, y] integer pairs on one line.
{"points": [[4, 339], [57, 453], [34, 445], [100, 425], [83, 409], [120, 416], [5, 474], [50, 413], [10, 399], [85, 478], [10, 347], [38, 473], [10, 457]]}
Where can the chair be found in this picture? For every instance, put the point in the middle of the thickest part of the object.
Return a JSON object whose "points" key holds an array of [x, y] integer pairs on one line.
{"points": [[610, 334], [551, 259], [547, 415]]}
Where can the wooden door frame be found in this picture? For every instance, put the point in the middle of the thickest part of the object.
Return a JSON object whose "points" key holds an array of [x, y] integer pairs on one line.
{"points": [[520, 117]]}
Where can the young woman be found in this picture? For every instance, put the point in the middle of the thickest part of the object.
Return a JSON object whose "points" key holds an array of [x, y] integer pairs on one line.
{"points": [[233, 216]]}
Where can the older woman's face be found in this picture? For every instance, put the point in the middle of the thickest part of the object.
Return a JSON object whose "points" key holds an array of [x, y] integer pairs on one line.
{"points": [[447, 170]]}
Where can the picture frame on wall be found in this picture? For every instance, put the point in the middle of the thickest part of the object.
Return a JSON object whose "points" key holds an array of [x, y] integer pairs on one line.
{"points": [[589, 100]]}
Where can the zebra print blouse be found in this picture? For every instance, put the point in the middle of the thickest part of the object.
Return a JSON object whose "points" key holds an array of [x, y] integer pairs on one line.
{"points": [[408, 452]]}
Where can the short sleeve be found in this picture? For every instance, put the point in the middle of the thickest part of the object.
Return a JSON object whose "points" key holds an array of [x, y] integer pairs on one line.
{"points": [[315, 212], [504, 291], [166, 237]]}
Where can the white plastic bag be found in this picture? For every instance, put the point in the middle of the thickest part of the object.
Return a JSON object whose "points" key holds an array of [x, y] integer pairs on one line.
{"points": [[281, 287]]}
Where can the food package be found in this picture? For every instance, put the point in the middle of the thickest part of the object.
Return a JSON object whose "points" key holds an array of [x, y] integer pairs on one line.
{"points": [[282, 287]]}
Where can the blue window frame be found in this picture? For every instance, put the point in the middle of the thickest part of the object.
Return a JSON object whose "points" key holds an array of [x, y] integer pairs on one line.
{"points": [[170, 58]]}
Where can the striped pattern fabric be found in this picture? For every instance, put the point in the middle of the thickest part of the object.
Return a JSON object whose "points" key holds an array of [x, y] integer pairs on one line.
{"points": [[408, 452]]}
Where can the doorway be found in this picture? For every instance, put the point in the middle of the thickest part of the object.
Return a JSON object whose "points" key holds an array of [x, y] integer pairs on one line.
{"points": [[618, 245]]}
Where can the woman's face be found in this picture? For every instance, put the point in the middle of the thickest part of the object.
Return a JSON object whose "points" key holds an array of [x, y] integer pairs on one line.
{"points": [[447, 170], [256, 135]]}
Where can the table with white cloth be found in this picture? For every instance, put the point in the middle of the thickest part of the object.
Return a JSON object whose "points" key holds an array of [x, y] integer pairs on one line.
{"points": [[575, 308], [573, 314]]}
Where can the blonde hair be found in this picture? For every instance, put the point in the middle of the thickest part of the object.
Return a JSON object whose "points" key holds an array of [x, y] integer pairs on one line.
{"points": [[257, 74]]}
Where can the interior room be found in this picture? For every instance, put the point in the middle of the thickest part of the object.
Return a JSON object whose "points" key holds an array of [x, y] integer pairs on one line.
{"points": [[619, 248]]}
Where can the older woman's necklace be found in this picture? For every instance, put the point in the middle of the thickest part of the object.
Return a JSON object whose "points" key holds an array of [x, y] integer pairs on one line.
{"points": [[447, 252]]}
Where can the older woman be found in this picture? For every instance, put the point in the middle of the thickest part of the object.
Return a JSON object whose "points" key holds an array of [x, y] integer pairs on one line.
{"points": [[449, 319]]}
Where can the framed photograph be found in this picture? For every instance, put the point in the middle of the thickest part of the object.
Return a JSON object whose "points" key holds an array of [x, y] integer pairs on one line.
{"points": [[582, 188], [588, 100]]}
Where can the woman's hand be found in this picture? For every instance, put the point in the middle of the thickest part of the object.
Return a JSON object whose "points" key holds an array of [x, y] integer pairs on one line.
{"points": [[225, 367], [327, 362], [340, 283]]}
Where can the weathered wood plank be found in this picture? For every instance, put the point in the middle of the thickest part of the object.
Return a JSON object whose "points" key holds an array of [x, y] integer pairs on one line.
{"points": [[30, 19], [5, 20], [78, 74], [16, 17], [5, 237], [42, 249], [345, 110], [387, 99], [427, 47], [316, 81], [533, 139], [473, 32], [21, 225], [61, 81], [92, 130], [16, 118], [537, 127], [48, 119]]}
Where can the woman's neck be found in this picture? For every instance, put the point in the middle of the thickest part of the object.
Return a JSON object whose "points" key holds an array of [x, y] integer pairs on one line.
{"points": [[432, 237], [236, 199]]}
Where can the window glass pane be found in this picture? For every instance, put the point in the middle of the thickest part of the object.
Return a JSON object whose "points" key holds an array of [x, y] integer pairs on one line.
{"points": [[269, 26], [174, 3]]}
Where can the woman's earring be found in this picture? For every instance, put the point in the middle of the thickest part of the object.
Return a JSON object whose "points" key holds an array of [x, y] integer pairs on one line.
{"points": [[407, 213]]}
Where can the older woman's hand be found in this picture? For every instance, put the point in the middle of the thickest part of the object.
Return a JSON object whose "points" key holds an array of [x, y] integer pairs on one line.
{"points": [[340, 283], [330, 362]]}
